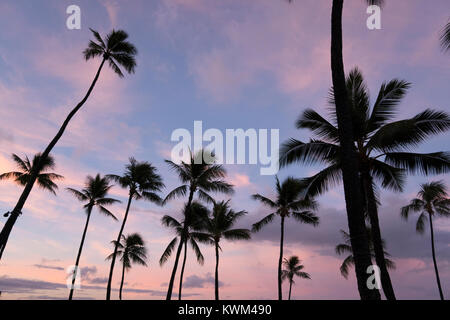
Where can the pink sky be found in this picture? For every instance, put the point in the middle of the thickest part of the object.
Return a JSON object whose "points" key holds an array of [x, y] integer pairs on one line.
{"points": [[232, 64]]}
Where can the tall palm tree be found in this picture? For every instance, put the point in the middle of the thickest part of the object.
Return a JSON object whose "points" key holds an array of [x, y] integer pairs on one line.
{"points": [[143, 182], [432, 201], [44, 179], [445, 37], [220, 225], [131, 249], [94, 194], [186, 231], [352, 191], [290, 202], [381, 145], [349, 261], [293, 268], [115, 50], [200, 177]]}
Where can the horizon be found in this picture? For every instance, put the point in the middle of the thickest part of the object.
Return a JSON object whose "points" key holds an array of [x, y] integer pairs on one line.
{"points": [[232, 65]]}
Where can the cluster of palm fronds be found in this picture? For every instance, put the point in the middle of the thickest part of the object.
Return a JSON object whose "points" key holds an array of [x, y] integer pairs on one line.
{"points": [[361, 145]]}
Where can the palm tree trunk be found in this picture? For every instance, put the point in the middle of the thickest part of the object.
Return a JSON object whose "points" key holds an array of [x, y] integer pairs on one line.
{"points": [[352, 190], [174, 270], [376, 236], [7, 228], [280, 260], [290, 289], [77, 262], [434, 258], [113, 260], [182, 270], [121, 282], [216, 281], [182, 239]]}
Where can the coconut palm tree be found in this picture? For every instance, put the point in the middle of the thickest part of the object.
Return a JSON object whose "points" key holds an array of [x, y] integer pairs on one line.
{"points": [[118, 52], [186, 231], [349, 261], [44, 179], [445, 37], [290, 202], [220, 225], [131, 249], [293, 268], [143, 182], [94, 194], [432, 201], [353, 196], [381, 144], [198, 176]]}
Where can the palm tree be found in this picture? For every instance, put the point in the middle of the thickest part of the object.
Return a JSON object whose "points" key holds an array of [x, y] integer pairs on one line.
{"points": [[290, 201], [94, 194], [349, 261], [115, 50], [376, 138], [293, 268], [445, 37], [432, 200], [200, 177], [353, 195], [44, 179], [220, 225], [131, 249], [143, 182], [186, 231]]}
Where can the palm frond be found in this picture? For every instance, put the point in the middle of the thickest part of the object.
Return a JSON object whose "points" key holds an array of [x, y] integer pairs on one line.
{"points": [[445, 37], [306, 217], [313, 152], [430, 163], [166, 254], [389, 96], [237, 234], [268, 219], [264, 200], [313, 121]]}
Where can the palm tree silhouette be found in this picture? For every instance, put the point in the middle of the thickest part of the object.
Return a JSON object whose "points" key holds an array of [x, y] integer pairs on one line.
{"points": [[445, 37], [349, 260], [290, 202], [44, 179], [220, 225], [115, 50], [187, 230], [95, 195], [131, 249], [352, 191], [293, 268], [143, 182], [432, 200], [198, 176], [376, 137]]}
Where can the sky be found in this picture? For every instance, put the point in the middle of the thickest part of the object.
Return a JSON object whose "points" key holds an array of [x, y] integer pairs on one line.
{"points": [[230, 64]]}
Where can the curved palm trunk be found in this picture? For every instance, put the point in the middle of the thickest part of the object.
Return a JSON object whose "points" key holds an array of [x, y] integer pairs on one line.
{"points": [[182, 271], [280, 260], [77, 262], [216, 280], [352, 190], [290, 289], [121, 282], [180, 246], [113, 260], [434, 258], [174, 270], [376, 237], [7, 228]]}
